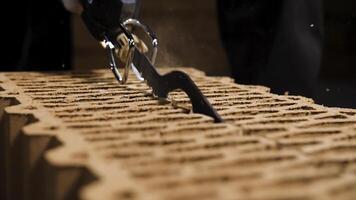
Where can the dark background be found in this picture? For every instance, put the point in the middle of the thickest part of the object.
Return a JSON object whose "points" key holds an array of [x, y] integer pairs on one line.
{"points": [[337, 78], [189, 37], [187, 31]]}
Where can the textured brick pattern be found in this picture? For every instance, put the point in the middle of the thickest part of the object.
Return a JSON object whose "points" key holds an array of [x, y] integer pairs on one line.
{"points": [[86, 136]]}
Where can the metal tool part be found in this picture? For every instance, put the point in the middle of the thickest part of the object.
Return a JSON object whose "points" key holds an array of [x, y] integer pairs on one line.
{"points": [[163, 84]]}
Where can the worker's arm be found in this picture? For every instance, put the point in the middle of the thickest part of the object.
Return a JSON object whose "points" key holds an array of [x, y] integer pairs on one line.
{"points": [[73, 6], [103, 16]]}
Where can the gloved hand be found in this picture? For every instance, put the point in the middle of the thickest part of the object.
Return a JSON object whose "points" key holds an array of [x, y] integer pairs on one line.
{"points": [[73, 6]]}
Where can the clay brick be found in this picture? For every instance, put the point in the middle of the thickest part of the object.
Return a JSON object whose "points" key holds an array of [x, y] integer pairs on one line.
{"points": [[82, 135]]}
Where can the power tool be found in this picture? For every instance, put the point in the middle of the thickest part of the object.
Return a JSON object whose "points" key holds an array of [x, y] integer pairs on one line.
{"points": [[114, 23]]}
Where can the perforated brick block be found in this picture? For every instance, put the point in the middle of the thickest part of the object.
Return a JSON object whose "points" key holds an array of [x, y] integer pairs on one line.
{"points": [[82, 135]]}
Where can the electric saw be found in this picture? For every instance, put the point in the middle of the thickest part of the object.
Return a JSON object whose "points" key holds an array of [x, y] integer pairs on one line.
{"points": [[114, 24]]}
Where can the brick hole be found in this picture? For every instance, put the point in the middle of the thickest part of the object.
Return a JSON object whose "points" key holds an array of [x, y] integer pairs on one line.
{"points": [[51, 128], [221, 108], [119, 115], [257, 87], [72, 115], [294, 98], [126, 130], [261, 131], [82, 75], [178, 141], [164, 119], [65, 93], [55, 101], [234, 99], [231, 103], [58, 105], [350, 113], [248, 93], [149, 103], [326, 124], [224, 178], [294, 114], [302, 108], [155, 173], [270, 105], [102, 87], [208, 86], [171, 187], [348, 137], [250, 112], [92, 81], [210, 95], [126, 195], [236, 118], [212, 146], [332, 117], [86, 126], [191, 159], [157, 108], [77, 100], [313, 134], [184, 149], [297, 144], [39, 90], [12, 93], [136, 96], [105, 137], [270, 100], [218, 135], [49, 87], [227, 91], [309, 173], [139, 99], [342, 149], [60, 81], [34, 84], [193, 129], [44, 98], [347, 188], [147, 163], [92, 109], [127, 155], [105, 118], [171, 112], [80, 155], [30, 108], [154, 143], [276, 121], [196, 122], [259, 161]]}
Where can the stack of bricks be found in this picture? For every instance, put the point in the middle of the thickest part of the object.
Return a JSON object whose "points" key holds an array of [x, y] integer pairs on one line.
{"points": [[81, 135]]}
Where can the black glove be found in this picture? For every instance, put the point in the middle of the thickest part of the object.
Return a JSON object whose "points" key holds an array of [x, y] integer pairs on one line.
{"points": [[104, 16]]}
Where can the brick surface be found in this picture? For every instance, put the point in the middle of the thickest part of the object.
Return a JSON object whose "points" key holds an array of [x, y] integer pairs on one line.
{"points": [[82, 135]]}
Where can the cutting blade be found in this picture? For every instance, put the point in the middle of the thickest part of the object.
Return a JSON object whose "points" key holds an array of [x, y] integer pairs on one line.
{"points": [[163, 84]]}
